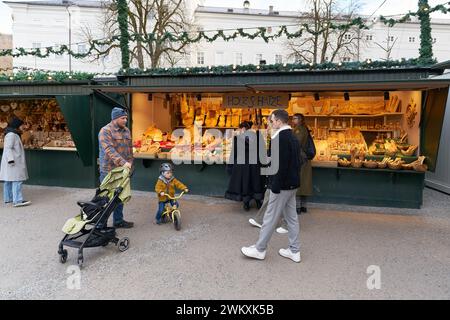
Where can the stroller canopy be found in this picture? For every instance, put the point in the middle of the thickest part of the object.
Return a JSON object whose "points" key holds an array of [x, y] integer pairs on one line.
{"points": [[118, 177]]}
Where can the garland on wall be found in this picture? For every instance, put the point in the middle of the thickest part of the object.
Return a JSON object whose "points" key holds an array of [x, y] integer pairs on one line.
{"points": [[424, 8], [95, 46]]}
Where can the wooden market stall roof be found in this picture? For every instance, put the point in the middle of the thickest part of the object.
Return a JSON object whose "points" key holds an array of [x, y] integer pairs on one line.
{"points": [[410, 78]]}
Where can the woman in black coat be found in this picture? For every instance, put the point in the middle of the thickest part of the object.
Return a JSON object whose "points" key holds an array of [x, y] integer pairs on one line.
{"points": [[246, 183]]}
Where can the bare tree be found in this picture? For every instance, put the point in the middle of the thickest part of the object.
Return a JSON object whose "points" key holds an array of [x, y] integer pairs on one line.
{"points": [[388, 44], [321, 42], [151, 19]]}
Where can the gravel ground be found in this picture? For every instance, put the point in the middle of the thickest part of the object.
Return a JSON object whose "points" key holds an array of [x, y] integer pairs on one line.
{"points": [[203, 260]]}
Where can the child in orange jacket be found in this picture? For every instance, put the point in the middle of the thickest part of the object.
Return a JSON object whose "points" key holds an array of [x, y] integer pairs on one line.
{"points": [[166, 184]]}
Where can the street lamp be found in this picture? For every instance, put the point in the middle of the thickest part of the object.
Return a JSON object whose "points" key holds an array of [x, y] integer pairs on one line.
{"points": [[68, 4]]}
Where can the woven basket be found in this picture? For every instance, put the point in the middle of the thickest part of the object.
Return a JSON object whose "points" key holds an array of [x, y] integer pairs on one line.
{"points": [[407, 166], [382, 165], [370, 164], [395, 166], [357, 164], [344, 164]]}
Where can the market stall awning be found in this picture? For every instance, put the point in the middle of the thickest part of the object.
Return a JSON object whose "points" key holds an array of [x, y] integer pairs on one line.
{"points": [[424, 84], [169, 89], [353, 86]]}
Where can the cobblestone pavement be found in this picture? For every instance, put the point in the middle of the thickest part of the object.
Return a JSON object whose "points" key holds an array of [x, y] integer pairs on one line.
{"points": [[203, 260]]}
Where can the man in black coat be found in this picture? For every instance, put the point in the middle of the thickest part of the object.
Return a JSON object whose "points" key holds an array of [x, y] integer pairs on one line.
{"points": [[283, 183]]}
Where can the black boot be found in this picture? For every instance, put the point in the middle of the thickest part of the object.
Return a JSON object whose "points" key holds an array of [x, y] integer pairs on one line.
{"points": [[246, 206], [303, 209], [258, 204]]}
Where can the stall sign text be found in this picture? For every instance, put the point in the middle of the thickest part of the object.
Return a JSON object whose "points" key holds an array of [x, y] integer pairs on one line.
{"points": [[263, 100]]}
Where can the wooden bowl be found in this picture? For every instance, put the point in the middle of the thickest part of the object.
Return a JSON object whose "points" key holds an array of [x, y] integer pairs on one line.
{"points": [[420, 167]]}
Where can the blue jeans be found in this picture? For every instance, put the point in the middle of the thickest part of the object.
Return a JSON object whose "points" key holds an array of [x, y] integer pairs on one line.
{"points": [[118, 212], [161, 206], [12, 192]]}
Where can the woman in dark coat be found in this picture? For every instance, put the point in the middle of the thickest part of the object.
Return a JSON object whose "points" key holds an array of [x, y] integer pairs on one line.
{"points": [[246, 183], [306, 189]]}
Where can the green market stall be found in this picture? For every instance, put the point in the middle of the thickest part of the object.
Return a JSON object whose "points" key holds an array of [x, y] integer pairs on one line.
{"points": [[157, 103], [63, 120]]}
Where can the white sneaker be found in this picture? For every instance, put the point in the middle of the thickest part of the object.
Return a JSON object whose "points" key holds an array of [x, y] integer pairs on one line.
{"points": [[287, 253], [254, 223], [22, 204], [252, 252], [282, 230]]}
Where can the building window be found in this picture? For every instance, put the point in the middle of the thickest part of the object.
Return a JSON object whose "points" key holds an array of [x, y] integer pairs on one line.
{"points": [[346, 59], [391, 38], [278, 59], [219, 58], [82, 49], [347, 36], [369, 37], [297, 59], [434, 40], [200, 58], [412, 39], [258, 57], [238, 58]]}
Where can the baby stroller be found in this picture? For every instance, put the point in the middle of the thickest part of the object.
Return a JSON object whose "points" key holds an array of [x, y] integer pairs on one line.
{"points": [[88, 229]]}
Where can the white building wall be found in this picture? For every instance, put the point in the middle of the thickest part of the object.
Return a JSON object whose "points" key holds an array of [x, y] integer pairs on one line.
{"points": [[48, 25]]}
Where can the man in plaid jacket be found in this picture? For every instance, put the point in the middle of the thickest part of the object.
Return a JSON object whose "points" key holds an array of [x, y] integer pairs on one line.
{"points": [[115, 150]]}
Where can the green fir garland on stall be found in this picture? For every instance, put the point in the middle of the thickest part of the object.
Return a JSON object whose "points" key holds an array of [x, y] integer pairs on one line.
{"points": [[122, 18], [61, 76], [426, 42]]}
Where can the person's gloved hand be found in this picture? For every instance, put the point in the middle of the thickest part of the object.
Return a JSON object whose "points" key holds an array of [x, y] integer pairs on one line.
{"points": [[186, 190], [162, 194]]}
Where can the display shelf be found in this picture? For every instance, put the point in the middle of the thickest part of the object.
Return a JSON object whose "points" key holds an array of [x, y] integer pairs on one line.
{"points": [[183, 127], [365, 130], [145, 156], [353, 115], [59, 148], [381, 170]]}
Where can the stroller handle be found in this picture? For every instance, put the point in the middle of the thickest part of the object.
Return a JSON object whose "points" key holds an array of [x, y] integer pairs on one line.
{"points": [[175, 197]]}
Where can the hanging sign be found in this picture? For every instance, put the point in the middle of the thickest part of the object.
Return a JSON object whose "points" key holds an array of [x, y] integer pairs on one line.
{"points": [[256, 100]]}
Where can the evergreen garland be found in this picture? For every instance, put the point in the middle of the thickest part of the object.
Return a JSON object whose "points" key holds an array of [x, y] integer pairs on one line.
{"points": [[426, 42], [122, 8], [184, 37]]}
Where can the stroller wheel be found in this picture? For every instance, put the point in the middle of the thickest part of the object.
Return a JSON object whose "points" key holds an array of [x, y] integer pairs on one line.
{"points": [[123, 244], [63, 256], [80, 261]]}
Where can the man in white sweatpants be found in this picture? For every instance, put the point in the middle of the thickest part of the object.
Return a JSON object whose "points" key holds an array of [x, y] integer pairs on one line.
{"points": [[283, 187]]}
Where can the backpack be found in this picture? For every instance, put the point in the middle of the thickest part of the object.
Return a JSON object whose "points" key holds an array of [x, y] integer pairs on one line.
{"points": [[310, 148]]}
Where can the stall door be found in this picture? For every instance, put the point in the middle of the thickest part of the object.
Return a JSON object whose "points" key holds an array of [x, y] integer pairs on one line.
{"points": [[432, 119], [76, 111]]}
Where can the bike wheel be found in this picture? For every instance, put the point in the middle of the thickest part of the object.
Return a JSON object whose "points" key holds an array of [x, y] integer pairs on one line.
{"points": [[177, 220]]}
